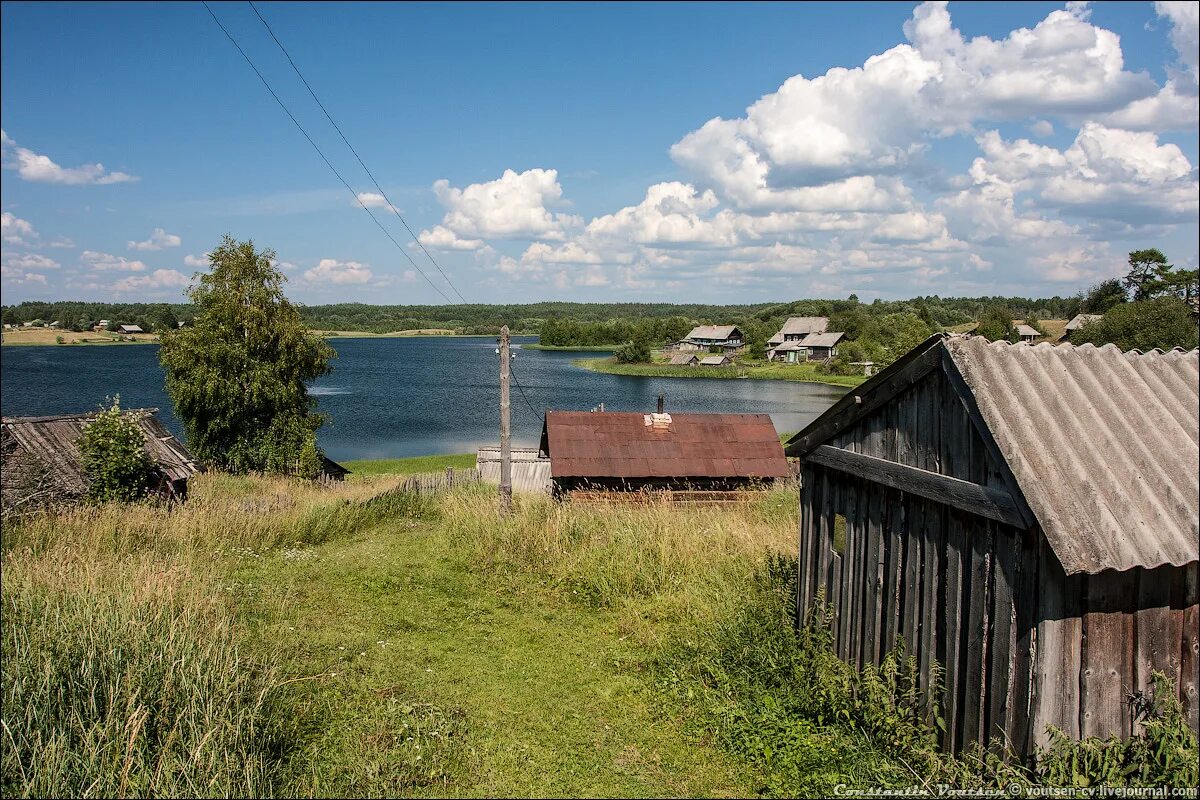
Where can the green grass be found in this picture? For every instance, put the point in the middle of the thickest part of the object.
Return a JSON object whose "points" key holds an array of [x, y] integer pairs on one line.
{"points": [[409, 466], [805, 373]]}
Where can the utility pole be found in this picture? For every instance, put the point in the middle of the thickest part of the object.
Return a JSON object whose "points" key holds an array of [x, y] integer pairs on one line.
{"points": [[505, 432]]}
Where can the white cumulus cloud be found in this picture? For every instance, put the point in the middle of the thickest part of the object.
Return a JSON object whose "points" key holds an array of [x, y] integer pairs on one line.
{"points": [[14, 230], [106, 262], [332, 271], [159, 281], [38, 168], [158, 240]]}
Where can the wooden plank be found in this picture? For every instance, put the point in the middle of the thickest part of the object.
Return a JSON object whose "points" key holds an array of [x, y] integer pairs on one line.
{"points": [[950, 640], [976, 630], [1025, 600], [864, 400], [1189, 647], [825, 515], [1057, 676], [1002, 644], [911, 584], [973, 498], [896, 539], [848, 498], [1107, 655], [1155, 648], [931, 622], [873, 579]]}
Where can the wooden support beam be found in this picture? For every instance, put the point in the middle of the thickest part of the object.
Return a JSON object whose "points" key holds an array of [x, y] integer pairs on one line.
{"points": [[971, 497]]}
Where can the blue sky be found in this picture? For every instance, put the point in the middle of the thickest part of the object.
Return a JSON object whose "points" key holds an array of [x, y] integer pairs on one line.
{"points": [[717, 153]]}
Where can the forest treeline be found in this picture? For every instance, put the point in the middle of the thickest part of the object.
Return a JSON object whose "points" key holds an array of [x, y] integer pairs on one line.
{"points": [[592, 319]]}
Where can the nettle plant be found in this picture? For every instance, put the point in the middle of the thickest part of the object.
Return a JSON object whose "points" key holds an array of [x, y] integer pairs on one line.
{"points": [[113, 451]]}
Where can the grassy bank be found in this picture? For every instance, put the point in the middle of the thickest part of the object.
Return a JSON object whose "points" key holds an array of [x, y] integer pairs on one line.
{"points": [[50, 336], [805, 373], [408, 466]]}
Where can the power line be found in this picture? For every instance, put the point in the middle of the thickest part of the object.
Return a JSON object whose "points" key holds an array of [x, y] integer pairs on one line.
{"points": [[329, 164], [517, 381], [361, 163]]}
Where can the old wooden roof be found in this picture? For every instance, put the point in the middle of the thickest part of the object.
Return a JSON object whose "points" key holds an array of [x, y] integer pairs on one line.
{"points": [[55, 442], [1026, 330], [829, 339], [682, 359], [714, 361], [1103, 446], [800, 325], [609, 444], [1079, 320]]}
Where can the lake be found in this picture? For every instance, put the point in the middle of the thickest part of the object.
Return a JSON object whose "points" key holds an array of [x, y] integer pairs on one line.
{"points": [[396, 397]]}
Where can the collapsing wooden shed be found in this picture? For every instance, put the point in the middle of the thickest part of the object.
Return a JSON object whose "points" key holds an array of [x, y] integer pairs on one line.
{"points": [[1027, 517], [41, 457]]}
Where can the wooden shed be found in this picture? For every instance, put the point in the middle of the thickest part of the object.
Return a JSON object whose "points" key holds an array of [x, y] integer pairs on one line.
{"points": [[49, 446], [622, 452], [530, 471], [1026, 516]]}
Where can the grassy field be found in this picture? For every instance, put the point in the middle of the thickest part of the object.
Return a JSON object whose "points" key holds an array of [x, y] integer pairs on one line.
{"points": [[358, 647], [408, 466], [50, 336], [805, 373]]}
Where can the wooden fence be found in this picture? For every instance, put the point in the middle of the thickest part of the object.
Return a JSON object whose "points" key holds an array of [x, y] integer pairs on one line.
{"points": [[434, 482]]}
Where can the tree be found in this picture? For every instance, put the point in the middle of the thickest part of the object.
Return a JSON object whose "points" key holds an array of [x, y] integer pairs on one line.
{"points": [[897, 334], [238, 374], [995, 323], [1031, 319], [637, 351], [1164, 323], [1148, 274], [1103, 296], [112, 450]]}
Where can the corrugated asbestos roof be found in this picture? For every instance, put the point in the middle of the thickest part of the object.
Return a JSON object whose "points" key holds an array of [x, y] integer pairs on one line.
{"points": [[1104, 445], [1079, 320], [530, 473], [822, 339], [718, 332], [55, 441], [610, 444]]}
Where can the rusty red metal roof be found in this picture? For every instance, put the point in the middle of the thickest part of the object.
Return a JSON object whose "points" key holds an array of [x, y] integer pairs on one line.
{"points": [[609, 444]]}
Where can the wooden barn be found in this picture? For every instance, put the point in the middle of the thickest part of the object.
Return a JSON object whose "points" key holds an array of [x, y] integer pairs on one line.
{"points": [[610, 451], [41, 454], [1026, 516]]}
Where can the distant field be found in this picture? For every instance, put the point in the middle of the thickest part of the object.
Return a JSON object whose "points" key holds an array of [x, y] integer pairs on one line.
{"points": [[408, 466], [51, 336], [368, 335]]}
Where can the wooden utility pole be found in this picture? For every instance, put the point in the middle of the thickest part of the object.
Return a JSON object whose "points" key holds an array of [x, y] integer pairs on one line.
{"points": [[505, 431]]}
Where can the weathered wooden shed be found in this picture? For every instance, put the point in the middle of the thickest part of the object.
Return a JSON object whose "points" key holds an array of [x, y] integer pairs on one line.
{"points": [[1026, 516], [613, 451], [45, 450], [530, 471]]}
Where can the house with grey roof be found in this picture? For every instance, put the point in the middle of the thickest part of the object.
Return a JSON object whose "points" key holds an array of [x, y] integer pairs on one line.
{"points": [[728, 338], [795, 329], [1079, 320]]}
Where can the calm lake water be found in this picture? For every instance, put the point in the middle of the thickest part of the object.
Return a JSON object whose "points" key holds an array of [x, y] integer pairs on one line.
{"points": [[389, 398]]}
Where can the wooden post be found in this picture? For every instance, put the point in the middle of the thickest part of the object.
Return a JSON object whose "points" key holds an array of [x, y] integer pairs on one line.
{"points": [[505, 432]]}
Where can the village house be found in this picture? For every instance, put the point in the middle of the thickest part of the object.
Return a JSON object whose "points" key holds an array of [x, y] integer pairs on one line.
{"points": [[813, 347], [795, 329], [102, 325], [1025, 333], [619, 452], [716, 361], [1078, 321], [41, 456], [1043, 554], [684, 360], [706, 337], [130, 329]]}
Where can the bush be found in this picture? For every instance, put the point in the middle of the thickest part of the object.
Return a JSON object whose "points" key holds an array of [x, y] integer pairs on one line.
{"points": [[113, 451], [634, 352], [1163, 323]]}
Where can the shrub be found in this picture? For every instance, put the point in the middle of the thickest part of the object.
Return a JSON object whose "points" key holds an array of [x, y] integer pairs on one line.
{"points": [[1164, 323], [113, 451]]}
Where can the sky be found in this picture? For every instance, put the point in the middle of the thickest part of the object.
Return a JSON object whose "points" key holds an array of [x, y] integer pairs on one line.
{"points": [[717, 153]]}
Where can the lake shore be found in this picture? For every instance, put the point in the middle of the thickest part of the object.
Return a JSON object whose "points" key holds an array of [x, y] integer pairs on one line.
{"points": [[797, 373], [48, 337], [600, 348]]}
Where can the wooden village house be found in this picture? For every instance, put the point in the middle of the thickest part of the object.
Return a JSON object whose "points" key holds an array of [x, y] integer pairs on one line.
{"points": [[793, 330], [1078, 321], [727, 338], [1026, 517], [599, 452], [41, 455]]}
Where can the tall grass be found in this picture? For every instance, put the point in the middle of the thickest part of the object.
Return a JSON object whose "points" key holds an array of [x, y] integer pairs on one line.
{"points": [[126, 679]]}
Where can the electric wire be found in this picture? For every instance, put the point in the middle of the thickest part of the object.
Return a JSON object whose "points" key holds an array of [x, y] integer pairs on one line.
{"points": [[329, 164], [517, 381], [361, 163]]}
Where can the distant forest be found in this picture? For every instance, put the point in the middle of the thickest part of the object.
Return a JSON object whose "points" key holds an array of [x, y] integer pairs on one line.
{"points": [[572, 323]]}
